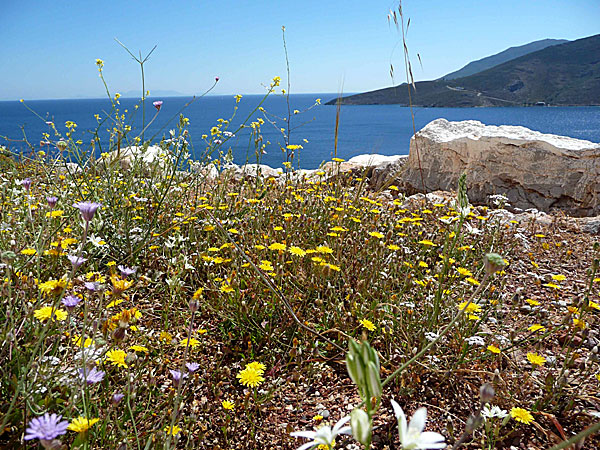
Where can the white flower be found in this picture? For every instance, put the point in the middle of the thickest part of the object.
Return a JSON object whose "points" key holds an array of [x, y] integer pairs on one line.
{"points": [[489, 412], [412, 436], [475, 340], [324, 435]]}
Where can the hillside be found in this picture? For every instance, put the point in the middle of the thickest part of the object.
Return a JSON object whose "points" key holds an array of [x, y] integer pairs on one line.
{"points": [[499, 58], [565, 74]]}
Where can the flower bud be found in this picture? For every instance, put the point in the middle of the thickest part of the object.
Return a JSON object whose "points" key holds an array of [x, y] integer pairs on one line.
{"points": [[361, 426], [486, 393], [493, 262], [374, 380]]}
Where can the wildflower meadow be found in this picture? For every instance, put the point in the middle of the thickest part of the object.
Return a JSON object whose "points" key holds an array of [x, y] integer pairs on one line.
{"points": [[155, 300]]}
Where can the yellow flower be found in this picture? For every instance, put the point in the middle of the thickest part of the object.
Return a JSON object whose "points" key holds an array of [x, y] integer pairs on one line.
{"points": [[226, 288], [393, 247], [536, 359], [29, 251], [53, 287], [250, 377], [198, 293], [578, 323], [255, 365], [86, 342], [47, 312], [324, 249], [174, 430], [470, 307], [277, 246], [473, 281], [464, 272], [532, 302], [81, 424], [366, 323], [226, 404], [594, 305], [376, 234], [521, 415], [116, 358], [537, 327], [139, 348], [493, 349], [297, 251], [427, 242], [559, 277], [193, 342]]}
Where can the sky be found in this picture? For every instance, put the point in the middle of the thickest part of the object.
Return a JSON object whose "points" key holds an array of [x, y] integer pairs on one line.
{"points": [[48, 48]]}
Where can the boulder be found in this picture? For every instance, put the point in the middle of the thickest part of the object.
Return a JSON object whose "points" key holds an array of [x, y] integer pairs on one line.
{"points": [[149, 159], [249, 171], [532, 169]]}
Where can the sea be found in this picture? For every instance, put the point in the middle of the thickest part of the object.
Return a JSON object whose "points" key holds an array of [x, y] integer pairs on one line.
{"points": [[380, 129]]}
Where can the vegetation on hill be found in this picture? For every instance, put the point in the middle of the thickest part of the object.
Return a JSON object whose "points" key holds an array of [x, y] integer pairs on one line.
{"points": [[565, 74], [510, 53]]}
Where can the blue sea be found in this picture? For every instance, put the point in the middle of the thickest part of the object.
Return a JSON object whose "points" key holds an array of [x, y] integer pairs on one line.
{"points": [[383, 129]]}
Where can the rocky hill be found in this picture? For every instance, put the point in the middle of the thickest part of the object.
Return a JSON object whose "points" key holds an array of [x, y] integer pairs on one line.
{"points": [[565, 74], [509, 54]]}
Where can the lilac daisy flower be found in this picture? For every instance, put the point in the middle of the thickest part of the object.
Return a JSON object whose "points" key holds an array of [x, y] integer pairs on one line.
{"points": [[46, 427], [91, 285], [76, 261], [91, 376], [26, 183], [117, 397], [87, 209], [71, 301], [51, 201], [192, 367], [178, 376], [126, 271], [157, 104]]}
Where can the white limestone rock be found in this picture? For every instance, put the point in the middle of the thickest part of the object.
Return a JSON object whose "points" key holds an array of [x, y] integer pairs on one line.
{"points": [[532, 169], [149, 159]]}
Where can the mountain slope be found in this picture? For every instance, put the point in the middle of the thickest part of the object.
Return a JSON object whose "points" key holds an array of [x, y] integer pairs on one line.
{"points": [[564, 74], [510, 53]]}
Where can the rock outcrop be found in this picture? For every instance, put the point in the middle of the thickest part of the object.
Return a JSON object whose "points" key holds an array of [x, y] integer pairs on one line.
{"points": [[150, 159], [532, 169]]}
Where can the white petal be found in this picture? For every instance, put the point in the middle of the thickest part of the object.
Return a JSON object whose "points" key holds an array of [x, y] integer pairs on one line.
{"points": [[340, 423], [307, 445], [345, 430], [397, 410], [304, 434], [432, 440], [401, 417], [417, 422]]}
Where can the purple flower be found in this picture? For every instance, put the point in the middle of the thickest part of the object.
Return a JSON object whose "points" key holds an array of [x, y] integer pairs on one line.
{"points": [[51, 201], [126, 271], [76, 260], [46, 427], [71, 301], [216, 79], [26, 183], [91, 286], [117, 397], [158, 104], [192, 367], [178, 376], [87, 209], [91, 376]]}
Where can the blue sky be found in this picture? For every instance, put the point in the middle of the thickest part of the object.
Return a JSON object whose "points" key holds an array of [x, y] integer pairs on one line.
{"points": [[48, 48]]}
